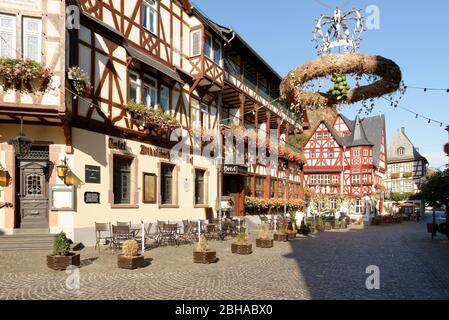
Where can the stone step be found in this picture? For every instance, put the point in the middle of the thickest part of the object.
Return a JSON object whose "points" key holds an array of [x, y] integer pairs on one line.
{"points": [[26, 241], [32, 231]]}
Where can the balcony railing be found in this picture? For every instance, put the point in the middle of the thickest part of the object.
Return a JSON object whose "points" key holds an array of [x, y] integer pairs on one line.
{"points": [[250, 80]]}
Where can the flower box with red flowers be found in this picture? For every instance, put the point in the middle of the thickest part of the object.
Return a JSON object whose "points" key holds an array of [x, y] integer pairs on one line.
{"points": [[24, 76]]}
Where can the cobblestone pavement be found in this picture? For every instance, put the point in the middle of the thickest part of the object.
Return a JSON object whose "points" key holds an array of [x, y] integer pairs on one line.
{"points": [[330, 265]]}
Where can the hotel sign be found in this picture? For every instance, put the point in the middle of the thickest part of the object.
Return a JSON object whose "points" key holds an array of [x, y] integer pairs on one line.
{"points": [[154, 152], [235, 169], [117, 144]]}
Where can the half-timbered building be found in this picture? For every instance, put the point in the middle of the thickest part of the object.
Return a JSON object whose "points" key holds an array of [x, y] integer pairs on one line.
{"points": [[346, 163], [164, 55]]}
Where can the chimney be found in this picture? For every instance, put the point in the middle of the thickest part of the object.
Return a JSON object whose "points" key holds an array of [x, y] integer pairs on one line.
{"points": [[403, 130]]}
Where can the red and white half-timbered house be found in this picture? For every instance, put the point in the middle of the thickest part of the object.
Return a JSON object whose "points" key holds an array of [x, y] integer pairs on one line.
{"points": [[346, 163]]}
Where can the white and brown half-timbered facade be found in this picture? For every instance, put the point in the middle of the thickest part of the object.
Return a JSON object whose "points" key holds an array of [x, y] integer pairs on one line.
{"points": [[162, 56]]}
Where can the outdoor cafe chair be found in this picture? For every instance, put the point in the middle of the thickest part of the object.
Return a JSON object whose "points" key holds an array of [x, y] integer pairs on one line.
{"points": [[100, 229], [120, 234], [211, 232], [170, 234], [123, 224]]}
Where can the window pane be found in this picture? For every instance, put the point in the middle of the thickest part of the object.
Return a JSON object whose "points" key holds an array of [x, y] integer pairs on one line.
{"points": [[199, 187], [217, 53], [208, 47], [122, 180], [165, 98], [6, 44], [32, 47], [260, 187], [196, 43], [166, 184]]}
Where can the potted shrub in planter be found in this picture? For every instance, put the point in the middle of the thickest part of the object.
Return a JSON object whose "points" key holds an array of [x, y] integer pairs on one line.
{"points": [[61, 257], [327, 226], [203, 254], [242, 246], [281, 234], [130, 257], [263, 240]]}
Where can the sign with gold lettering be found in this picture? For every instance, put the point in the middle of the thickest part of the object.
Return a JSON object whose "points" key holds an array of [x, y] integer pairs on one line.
{"points": [[154, 152]]}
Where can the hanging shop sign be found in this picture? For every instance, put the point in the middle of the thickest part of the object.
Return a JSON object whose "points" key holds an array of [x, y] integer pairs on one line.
{"points": [[235, 169], [91, 197], [92, 174], [117, 144], [154, 152]]}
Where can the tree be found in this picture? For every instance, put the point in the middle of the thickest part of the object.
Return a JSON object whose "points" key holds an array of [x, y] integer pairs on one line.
{"points": [[435, 192]]}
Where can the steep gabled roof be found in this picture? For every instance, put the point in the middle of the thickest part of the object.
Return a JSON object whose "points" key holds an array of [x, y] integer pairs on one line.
{"points": [[358, 137]]}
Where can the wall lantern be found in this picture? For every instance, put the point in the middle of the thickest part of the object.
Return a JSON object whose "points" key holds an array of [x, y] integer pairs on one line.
{"points": [[21, 143], [63, 169], [4, 177]]}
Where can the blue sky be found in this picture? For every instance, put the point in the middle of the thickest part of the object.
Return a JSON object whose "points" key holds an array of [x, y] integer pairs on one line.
{"points": [[412, 33]]}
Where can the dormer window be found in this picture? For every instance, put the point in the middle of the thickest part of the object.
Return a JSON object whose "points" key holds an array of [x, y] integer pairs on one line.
{"points": [[149, 15], [401, 151]]}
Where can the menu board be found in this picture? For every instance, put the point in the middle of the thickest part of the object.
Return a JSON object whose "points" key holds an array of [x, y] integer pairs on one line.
{"points": [[62, 198]]}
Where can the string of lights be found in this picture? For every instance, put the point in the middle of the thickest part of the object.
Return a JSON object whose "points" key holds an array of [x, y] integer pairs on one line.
{"points": [[416, 114], [425, 89]]}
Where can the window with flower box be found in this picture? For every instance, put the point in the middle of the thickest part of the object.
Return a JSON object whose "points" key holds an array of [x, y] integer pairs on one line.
{"points": [[135, 87], [165, 98], [334, 180], [260, 187], [150, 92]]}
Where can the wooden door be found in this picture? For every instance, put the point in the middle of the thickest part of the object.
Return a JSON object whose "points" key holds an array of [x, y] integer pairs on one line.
{"points": [[33, 196]]}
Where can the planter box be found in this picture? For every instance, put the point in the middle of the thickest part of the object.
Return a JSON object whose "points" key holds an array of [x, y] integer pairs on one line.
{"points": [[130, 263], [205, 257], [264, 243], [319, 228], [327, 226], [60, 263], [241, 249], [280, 237], [292, 235]]}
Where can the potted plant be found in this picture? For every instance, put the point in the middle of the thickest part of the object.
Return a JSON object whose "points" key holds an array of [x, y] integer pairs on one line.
{"points": [[242, 246], [130, 257], [61, 257], [281, 234], [263, 240], [203, 254], [80, 82]]}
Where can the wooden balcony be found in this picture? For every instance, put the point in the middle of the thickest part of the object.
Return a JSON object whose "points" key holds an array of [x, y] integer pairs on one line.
{"points": [[207, 73]]}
